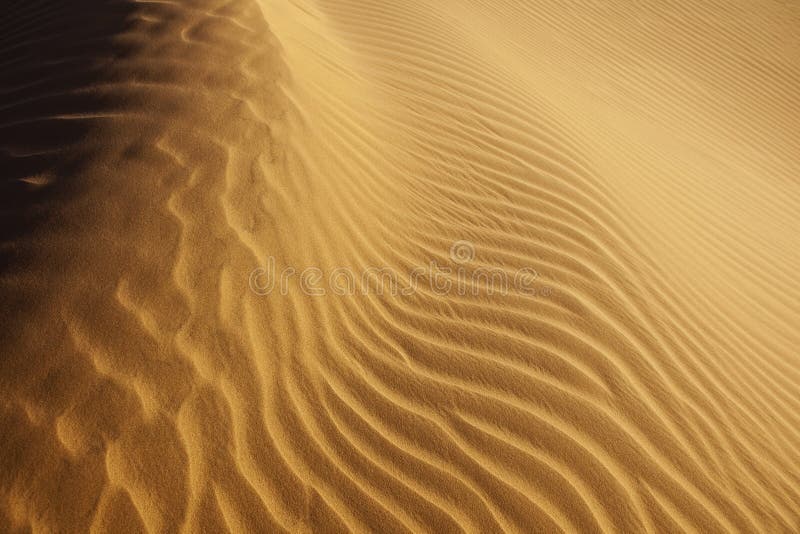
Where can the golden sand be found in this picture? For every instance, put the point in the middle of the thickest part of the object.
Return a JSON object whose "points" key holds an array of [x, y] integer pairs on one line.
{"points": [[590, 211]]}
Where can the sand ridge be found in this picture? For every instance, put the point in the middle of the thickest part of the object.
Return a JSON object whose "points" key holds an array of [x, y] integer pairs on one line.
{"points": [[633, 155]]}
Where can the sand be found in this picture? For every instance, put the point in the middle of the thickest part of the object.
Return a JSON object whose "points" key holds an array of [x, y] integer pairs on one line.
{"points": [[400, 266]]}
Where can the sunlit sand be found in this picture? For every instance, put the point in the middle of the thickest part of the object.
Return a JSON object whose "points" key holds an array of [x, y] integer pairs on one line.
{"points": [[400, 266]]}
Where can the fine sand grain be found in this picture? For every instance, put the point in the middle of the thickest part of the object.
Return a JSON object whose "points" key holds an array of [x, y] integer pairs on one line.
{"points": [[590, 209]]}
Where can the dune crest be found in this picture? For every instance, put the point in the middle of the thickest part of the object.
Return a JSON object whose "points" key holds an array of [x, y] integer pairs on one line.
{"points": [[178, 355]]}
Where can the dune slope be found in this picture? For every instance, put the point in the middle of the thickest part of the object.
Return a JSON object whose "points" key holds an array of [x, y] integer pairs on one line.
{"points": [[166, 161]]}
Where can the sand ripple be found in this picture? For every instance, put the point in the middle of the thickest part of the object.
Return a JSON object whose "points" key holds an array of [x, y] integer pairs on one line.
{"points": [[639, 157]]}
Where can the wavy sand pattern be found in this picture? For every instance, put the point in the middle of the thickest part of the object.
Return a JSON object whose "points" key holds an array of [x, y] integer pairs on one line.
{"points": [[642, 157]]}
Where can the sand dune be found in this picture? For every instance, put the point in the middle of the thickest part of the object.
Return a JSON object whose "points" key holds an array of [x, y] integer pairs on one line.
{"points": [[589, 210]]}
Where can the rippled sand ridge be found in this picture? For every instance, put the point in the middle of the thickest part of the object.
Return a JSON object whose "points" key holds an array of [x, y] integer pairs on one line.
{"points": [[400, 266]]}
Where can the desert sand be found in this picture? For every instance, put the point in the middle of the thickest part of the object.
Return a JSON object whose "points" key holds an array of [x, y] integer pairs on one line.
{"points": [[637, 161]]}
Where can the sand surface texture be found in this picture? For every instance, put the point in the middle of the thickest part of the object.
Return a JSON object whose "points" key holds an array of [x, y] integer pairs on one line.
{"points": [[638, 161]]}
